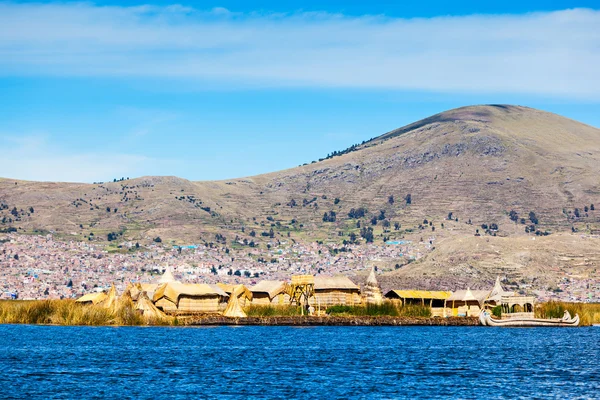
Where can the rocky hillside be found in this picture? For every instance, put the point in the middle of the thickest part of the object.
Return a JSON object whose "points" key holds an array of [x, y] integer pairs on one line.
{"points": [[478, 163], [480, 191]]}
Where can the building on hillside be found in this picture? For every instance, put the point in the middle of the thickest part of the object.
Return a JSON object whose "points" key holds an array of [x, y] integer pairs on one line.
{"points": [[190, 298], [435, 300], [372, 293], [466, 303], [270, 293], [334, 290]]}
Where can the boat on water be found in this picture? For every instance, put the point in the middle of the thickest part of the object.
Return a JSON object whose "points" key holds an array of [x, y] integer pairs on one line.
{"points": [[485, 318]]}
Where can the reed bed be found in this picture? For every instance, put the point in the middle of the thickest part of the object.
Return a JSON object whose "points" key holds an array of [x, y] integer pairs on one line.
{"points": [[68, 312], [386, 308], [589, 313], [272, 310]]}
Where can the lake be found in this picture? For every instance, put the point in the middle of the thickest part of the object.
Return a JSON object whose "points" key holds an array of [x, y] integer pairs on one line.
{"points": [[292, 362]]}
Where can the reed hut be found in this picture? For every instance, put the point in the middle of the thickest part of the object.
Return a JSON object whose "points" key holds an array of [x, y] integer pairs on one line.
{"points": [[234, 308], [466, 303], [270, 293], [372, 292], [335, 290], [190, 298], [435, 300], [243, 293], [111, 299], [92, 298], [167, 277], [149, 288], [148, 310], [498, 292]]}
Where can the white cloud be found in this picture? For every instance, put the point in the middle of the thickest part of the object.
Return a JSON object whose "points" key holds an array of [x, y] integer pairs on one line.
{"points": [[551, 53], [32, 157]]}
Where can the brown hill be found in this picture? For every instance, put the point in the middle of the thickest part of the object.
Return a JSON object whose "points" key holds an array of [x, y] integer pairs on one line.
{"points": [[478, 163]]}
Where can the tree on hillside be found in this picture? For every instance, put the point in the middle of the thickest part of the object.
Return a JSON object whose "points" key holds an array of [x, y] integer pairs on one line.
{"points": [[397, 226], [577, 213], [157, 239], [374, 220], [513, 215], [533, 218], [408, 199], [336, 200], [391, 199]]}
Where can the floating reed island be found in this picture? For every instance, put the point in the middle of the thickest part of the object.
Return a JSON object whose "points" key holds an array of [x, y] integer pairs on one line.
{"points": [[304, 301]]}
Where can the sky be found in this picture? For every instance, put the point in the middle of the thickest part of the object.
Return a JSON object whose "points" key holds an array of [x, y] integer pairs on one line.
{"points": [[216, 90]]}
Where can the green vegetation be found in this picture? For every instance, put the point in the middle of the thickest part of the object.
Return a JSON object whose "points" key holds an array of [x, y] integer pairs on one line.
{"points": [[497, 311], [589, 313], [68, 312], [386, 308], [272, 311]]}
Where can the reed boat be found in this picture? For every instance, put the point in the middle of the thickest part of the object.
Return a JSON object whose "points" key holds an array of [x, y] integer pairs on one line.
{"points": [[485, 318]]}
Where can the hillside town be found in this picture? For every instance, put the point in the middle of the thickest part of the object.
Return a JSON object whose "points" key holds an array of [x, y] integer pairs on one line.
{"points": [[42, 267]]}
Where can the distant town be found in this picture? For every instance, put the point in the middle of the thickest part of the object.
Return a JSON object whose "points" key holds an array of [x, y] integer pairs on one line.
{"points": [[42, 267]]}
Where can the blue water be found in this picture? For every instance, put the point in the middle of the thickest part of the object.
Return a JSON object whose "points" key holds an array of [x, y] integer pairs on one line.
{"points": [[287, 362]]}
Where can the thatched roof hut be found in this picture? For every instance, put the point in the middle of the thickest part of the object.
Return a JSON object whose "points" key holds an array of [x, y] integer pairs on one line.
{"points": [[167, 276], [244, 294], [372, 292], [190, 298], [234, 308], [111, 299], [145, 307], [92, 298], [335, 290], [467, 302], [149, 288], [495, 297], [435, 300], [270, 292]]}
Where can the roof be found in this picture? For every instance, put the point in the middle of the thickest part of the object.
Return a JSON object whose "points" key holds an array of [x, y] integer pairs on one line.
{"points": [[172, 291], [94, 298], [498, 291], [272, 288], [372, 279], [167, 276], [470, 295], [420, 294], [236, 290], [334, 282]]}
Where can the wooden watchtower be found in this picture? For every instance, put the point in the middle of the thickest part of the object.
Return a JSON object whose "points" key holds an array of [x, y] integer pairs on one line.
{"points": [[301, 289]]}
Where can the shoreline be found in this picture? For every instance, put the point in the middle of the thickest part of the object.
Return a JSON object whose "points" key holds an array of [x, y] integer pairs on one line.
{"points": [[208, 320]]}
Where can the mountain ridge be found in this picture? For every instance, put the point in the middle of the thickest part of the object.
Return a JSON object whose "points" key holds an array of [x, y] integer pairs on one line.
{"points": [[487, 177]]}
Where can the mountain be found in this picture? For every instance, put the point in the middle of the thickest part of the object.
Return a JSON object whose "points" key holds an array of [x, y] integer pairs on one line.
{"points": [[510, 167]]}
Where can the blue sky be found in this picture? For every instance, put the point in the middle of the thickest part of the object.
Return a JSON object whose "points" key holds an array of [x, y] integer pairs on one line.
{"points": [[94, 91]]}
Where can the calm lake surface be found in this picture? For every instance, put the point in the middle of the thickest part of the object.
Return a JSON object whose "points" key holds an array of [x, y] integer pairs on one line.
{"points": [[289, 362]]}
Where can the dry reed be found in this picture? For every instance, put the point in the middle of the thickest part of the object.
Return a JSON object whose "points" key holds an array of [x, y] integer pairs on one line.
{"points": [[589, 313], [68, 312]]}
